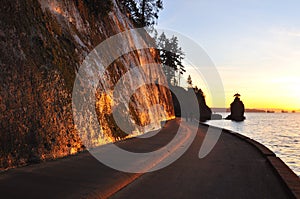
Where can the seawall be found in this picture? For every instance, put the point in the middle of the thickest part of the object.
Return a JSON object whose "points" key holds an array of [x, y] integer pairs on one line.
{"points": [[235, 168], [288, 177]]}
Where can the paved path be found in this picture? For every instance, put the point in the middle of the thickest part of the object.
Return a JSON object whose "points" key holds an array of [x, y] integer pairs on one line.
{"points": [[234, 169]]}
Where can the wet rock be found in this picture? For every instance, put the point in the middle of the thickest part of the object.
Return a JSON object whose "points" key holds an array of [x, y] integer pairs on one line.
{"points": [[41, 48]]}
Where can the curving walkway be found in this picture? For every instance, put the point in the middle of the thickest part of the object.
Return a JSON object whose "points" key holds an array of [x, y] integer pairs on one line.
{"points": [[234, 169]]}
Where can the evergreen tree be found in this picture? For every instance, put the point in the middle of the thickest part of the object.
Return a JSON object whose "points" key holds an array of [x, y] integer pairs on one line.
{"points": [[171, 57], [189, 81], [149, 11], [143, 12]]}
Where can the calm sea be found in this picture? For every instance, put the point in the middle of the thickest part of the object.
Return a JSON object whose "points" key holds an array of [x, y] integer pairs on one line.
{"points": [[280, 132]]}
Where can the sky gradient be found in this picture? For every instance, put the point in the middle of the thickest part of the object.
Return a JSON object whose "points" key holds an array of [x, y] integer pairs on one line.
{"points": [[255, 46]]}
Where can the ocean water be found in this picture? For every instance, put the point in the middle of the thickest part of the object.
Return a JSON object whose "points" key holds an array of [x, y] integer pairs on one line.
{"points": [[280, 132]]}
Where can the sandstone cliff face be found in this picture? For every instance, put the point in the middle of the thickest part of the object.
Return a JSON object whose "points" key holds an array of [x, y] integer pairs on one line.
{"points": [[42, 45]]}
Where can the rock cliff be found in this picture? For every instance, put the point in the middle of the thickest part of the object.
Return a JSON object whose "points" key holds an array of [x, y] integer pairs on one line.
{"points": [[42, 45]]}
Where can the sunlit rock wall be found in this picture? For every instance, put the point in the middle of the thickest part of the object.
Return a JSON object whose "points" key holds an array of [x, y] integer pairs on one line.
{"points": [[42, 45]]}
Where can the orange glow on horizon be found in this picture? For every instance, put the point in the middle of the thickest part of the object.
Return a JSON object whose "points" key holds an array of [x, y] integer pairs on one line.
{"points": [[261, 102], [271, 93]]}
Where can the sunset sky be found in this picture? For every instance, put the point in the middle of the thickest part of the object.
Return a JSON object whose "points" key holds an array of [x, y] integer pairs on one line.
{"points": [[254, 44]]}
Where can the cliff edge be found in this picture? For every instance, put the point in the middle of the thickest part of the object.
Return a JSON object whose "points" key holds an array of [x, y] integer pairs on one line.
{"points": [[43, 43]]}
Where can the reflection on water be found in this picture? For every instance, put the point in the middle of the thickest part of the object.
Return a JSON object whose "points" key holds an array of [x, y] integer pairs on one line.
{"points": [[280, 132]]}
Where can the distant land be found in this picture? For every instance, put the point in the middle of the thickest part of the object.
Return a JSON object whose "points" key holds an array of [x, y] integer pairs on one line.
{"points": [[271, 110]]}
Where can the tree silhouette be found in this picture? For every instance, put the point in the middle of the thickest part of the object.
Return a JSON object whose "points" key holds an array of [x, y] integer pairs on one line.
{"points": [[171, 56], [189, 81], [143, 12]]}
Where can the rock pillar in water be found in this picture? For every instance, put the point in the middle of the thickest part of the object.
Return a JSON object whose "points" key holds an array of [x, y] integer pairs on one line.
{"points": [[237, 109]]}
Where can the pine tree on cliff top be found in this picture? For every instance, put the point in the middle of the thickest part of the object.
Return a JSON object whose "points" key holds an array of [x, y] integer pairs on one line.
{"points": [[171, 56], [143, 12]]}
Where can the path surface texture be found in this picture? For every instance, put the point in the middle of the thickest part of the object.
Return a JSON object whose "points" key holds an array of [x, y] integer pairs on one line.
{"points": [[233, 169]]}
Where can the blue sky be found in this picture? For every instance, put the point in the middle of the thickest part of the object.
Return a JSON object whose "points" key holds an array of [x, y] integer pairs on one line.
{"points": [[255, 45]]}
